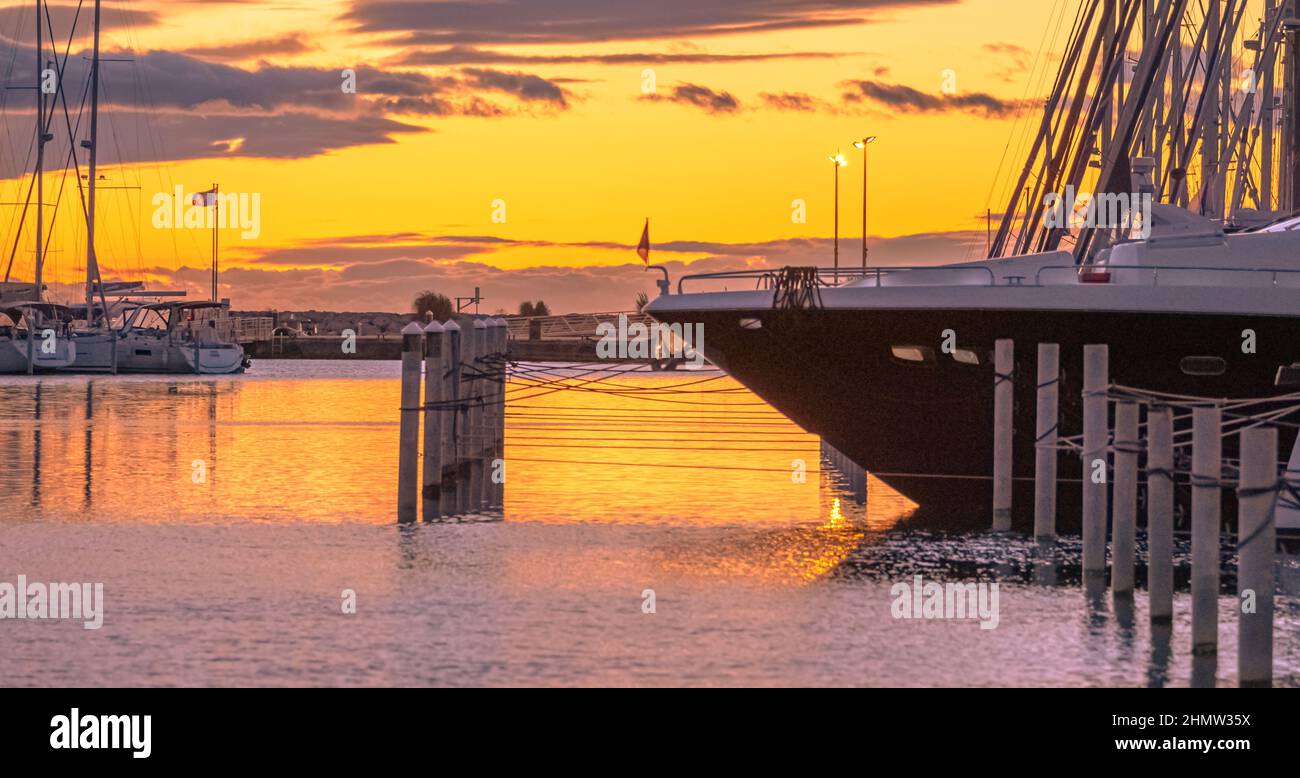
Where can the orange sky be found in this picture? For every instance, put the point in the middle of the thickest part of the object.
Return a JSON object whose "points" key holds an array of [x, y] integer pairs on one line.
{"points": [[540, 105]]}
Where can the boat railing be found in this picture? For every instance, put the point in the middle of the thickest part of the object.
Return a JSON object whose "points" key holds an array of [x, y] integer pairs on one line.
{"points": [[831, 277], [1154, 275], [1047, 275]]}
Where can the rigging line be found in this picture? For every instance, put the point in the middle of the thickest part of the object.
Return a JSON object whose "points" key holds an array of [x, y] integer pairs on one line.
{"points": [[608, 439], [544, 392], [656, 464], [61, 68], [787, 449], [560, 379], [652, 422], [662, 412], [545, 427]]}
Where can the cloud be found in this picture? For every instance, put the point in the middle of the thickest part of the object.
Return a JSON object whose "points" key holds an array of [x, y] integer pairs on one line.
{"points": [[461, 22], [907, 100], [524, 86], [469, 55], [700, 97], [16, 19], [292, 43], [386, 282], [795, 101]]}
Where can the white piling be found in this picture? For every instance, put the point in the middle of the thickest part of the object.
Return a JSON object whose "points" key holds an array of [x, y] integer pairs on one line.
{"points": [[435, 366], [1124, 499], [475, 427], [1096, 384], [1049, 372], [1004, 365], [491, 395], [452, 482], [1207, 469], [1160, 512], [1256, 543], [408, 455], [503, 348]]}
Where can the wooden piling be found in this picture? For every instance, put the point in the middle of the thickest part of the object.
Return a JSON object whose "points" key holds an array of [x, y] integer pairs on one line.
{"points": [[1124, 499], [1256, 542], [452, 482], [1160, 512], [1207, 469], [478, 396], [1004, 366], [491, 396], [408, 455], [1049, 371], [1096, 384], [499, 434], [435, 366]]}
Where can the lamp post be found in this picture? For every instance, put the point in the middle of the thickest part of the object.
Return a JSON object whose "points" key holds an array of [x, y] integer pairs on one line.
{"points": [[838, 161], [862, 144]]}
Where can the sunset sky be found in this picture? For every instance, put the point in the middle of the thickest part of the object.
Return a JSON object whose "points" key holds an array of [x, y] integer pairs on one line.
{"points": [[581, 117]]}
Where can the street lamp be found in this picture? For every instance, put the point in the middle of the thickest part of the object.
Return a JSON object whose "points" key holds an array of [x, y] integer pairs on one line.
{"points": [[838, 161], [862, 144]]}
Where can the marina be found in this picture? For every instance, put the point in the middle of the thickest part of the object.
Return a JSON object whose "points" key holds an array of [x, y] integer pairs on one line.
{"points": [[432, 420]]}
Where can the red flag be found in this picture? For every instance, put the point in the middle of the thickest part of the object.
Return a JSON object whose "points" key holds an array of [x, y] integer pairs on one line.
{"points": [[643, 248]]}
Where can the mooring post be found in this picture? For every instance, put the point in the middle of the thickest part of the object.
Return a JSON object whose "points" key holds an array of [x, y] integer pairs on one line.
{"points": [[1096, 385], [435, 366], [479, 396], [1049, 372], [408, 455], [503, 348], [1160, 512], [490, 398], [1124, 499], [452, 484], [1004, 392], [1256, 543], [1207, 469]]}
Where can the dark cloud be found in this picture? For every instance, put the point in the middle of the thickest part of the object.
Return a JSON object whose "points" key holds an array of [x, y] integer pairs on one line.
{"points": [[905, 99], [524, 86], [700, 97], [469, 55], [462, 22], [262, 47], [16, 19], [795, 101], [173, 135]]}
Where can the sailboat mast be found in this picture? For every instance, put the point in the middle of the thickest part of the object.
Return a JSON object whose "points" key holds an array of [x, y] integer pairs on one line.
{"points": [[40, 157], [92, 260], [40, 196]]}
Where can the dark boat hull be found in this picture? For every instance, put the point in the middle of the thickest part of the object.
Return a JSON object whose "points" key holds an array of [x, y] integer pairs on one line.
{"points": [[927, 430]]}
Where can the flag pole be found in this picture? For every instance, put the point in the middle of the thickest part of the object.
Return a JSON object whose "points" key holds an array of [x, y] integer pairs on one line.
{"points": [[216, 219]]}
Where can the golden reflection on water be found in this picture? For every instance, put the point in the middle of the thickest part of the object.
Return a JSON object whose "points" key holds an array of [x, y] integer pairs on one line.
{"points": [[653, 449]]}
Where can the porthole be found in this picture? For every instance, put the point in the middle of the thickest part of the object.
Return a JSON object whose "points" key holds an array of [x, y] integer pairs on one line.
{"points": [[1203, 366]]}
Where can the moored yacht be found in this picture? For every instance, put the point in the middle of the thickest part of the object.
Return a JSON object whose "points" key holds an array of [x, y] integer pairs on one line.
{"points": [[34, 338], [863, 364], [166, 337]]}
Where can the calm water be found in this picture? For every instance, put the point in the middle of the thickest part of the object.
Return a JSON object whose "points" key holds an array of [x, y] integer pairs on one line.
{"points": [[237, 580]]}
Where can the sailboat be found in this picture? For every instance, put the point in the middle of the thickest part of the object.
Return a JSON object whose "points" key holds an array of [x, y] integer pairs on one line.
{"points": [[34, 333], [128, 336]]}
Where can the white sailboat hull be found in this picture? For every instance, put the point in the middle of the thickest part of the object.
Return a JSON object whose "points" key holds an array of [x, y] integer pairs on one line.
{"points": [[13, 355], [151, 353]]}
